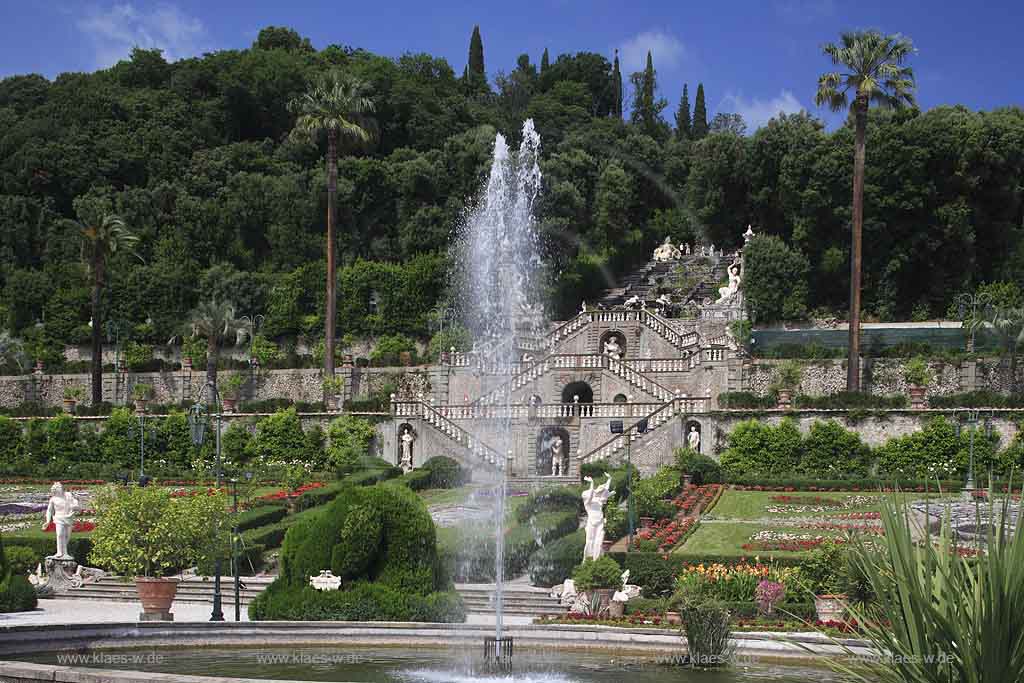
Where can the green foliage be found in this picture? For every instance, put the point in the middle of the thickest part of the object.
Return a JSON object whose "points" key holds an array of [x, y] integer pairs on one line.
{"points": [[381, 541], [445, 473], [707, 631], [389, 349], [560, 499], [16, 593], [139, 357], [144, 531], [930, 600], [917, 373], [775, 280], [759, 447], [830, 450], [231, 386], [604, 572], [21, 559], [747, 400], [789, 375], [260, 516], [851, 400], [701, 468], [938, 451], [280, 441], [555, 561], [350, 438], [650, 494], [981, 398]]}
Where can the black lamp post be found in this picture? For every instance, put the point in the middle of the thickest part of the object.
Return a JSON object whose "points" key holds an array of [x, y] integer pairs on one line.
{"points": [[197, 423], [234, 546], [971, 418]]}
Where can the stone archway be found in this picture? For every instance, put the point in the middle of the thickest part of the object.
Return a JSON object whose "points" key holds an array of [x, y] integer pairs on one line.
{"points": [[552, 451], [613, 344], [577, 392]]}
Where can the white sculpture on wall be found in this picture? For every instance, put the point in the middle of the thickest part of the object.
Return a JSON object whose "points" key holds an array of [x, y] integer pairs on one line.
{"points": [[632, 302], [667, 251], [726, 293], [61, 511], [593, 502], [693, 439], [407, 439], [556, 456], [612, 349]]}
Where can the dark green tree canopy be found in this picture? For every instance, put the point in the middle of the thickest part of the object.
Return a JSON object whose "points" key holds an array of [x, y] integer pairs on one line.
{"points": [[700, 114]]}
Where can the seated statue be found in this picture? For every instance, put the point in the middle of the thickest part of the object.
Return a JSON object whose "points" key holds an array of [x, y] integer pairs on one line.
{"points": [[729, 291], [632, 302], [612, 349]]}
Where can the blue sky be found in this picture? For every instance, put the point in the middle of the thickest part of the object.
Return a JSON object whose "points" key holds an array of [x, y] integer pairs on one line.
{"points": [[754, 57]]}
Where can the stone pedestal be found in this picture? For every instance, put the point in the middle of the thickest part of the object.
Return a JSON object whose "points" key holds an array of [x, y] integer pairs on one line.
{"points": [[61, 575], [156, 616]]}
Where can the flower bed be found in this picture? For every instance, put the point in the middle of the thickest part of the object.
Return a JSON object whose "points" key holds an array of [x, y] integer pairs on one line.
{"points": [[188, 493], [664, 535], [694, 499], [285, 494], [737, 582], [769, 539], [814, 504], [80, 527]]}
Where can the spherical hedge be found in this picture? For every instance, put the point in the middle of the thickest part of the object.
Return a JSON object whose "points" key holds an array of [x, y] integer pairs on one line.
{"points": [[382, 543]]}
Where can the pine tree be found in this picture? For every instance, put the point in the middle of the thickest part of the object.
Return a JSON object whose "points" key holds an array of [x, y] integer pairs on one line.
{"points": [[683, 124], [647, 107], [700, 115], [616, 87], [475, 72], [545, 61]]}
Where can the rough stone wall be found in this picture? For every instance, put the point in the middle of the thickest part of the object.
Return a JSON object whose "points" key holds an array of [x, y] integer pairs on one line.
{"points": [[879, 376]]}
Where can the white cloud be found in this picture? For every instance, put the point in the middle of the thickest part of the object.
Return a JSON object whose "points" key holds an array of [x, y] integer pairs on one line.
{"points": [[756, 112], [667, 51], [115, 30]]}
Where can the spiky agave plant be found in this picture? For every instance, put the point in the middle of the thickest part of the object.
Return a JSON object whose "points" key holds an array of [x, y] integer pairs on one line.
{"points": [[942, 617]]}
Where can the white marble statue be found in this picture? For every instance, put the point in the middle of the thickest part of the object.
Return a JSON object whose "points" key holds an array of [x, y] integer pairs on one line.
{"points": [[627, 591], [693, 439], [748, 235], [583, 307], [61, 511], [632, 302], [612, 349], [667, 251], [593, 502], [711, 251], [729, 291], [664, 300], [686, 248], [556, 456], [407, 439], [703, 250], [527, 358]]}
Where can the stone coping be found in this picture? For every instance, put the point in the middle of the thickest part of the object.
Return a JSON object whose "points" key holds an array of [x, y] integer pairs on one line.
{"points": [[27, 638]]}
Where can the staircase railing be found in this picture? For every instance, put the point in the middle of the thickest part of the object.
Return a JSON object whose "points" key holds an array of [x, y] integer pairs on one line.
{"points": [[683, 405], [441, 423]]}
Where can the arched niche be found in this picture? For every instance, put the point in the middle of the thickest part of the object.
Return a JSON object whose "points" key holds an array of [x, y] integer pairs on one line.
{"points": [[553, 451], [613, 344]]}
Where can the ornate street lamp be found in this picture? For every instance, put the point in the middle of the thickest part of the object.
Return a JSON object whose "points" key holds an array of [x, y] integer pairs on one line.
{"points": [[197, 426]]}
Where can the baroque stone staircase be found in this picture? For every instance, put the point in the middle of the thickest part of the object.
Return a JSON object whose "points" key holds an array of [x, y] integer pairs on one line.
{"points": [[519, 599], [190, 590]]}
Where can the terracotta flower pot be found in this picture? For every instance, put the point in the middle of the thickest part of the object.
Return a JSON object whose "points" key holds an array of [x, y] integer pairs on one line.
{"points": [[156, 596], [186, 364], [830, 607], [69, 405], [673, 618], [405, 358], [916, 396], [229, 404], [140, 405], [785, 398], [646, 521]]}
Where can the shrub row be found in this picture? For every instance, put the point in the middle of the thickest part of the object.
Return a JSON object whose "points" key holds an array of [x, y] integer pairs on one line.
{"points": [[853, 484], [79, 547], [260, 516], [851, 400], [977, 399], [553, 499], [554, 562], [748, 400], [362, 602]]}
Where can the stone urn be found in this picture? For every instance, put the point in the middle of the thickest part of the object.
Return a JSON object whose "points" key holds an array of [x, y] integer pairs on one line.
{"points": [[334, 403], [229, 404], [69, 405], [346, 360], [616, 609], [156, 596], [140, 405], [673, 618], [785, 398], [830, 607], [916, 396]]}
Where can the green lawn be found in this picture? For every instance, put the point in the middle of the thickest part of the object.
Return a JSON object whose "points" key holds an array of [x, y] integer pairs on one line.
{"points": [[742, 505], [727, 538], [446, 496]]}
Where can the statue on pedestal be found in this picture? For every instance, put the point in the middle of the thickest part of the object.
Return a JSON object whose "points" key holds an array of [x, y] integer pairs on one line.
{"points": [[556, 456], [693, 439], [667, 251], [407, 439], [61, 511], [593, 502]]}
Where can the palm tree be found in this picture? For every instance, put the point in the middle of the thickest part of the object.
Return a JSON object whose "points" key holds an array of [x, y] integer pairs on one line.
{"points": [[874, 73], [337, 105], [102, 239], [216, 321], [1007, 323], [12, 351]]}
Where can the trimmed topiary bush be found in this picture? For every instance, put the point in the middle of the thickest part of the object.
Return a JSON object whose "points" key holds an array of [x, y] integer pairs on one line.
{"points": [[16, 593], [445, 473], [382, 543], [560, 499], [604, 572]]}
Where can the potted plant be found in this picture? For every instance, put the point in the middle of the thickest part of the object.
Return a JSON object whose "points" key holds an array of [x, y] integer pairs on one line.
{"points": [[231, 391], [791, 373], [334, 388], [918, 376], [822, 571], [599, 579], [72, 395], [146, 533], [142, 394]]}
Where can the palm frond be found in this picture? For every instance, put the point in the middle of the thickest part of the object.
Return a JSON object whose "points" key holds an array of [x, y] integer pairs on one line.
{"points": [[874, 71]]}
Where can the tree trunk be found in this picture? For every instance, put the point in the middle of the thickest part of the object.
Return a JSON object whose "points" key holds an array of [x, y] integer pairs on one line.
{"points": [[97, 326], [853, 359], [211, 360], [330, 308]]}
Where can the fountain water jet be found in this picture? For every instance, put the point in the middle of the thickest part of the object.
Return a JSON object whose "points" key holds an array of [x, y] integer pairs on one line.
{"points": [[499, 262]]}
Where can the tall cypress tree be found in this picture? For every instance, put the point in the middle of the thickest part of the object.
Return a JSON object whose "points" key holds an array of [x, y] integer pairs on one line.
{"points": [[648, 114], [616, 87], [545, 61], [476, 58], [683, 123], [700, 114]]}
